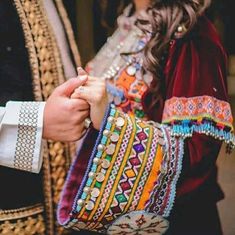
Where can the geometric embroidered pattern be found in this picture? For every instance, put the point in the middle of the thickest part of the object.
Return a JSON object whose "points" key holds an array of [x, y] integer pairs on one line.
{"points": [[139, 223], [178, 108], [26, 136], [114, 171], [136, 154], [165, 185], [202, 114], [126, 185], [147, 170]]}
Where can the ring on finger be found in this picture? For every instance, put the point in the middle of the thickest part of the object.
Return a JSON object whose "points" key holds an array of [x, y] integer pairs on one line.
{"points": [[81, 89]]}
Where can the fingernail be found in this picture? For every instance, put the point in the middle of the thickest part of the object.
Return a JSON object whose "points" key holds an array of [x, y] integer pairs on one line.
{"points": [[81, 70]]}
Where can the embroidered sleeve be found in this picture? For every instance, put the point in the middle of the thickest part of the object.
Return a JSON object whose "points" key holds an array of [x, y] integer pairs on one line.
{"points": [[201, 114], [21, 136], [196, 87], [134, 166]]}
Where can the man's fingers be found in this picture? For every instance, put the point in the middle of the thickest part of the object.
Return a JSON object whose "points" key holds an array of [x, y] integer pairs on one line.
{"points": [[82, 115], [69, 86], [79, 104], [75, 96]]}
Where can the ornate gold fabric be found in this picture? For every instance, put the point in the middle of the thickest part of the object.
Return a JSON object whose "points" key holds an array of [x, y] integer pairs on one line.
{"points": [[23, 221], [47, 73], [69, 31]]}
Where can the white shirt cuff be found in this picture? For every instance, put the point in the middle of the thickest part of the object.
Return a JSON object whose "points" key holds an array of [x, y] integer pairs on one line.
{"points": [[21, 136]]}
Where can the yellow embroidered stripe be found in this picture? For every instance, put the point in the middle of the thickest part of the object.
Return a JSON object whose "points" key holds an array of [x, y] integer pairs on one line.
{"points": [[153, 176], [81, 214], [107, 175], [143, 165], [118, 177]]}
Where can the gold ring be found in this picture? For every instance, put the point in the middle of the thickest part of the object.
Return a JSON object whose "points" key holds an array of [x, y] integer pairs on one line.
{"points": [[87, 123]]}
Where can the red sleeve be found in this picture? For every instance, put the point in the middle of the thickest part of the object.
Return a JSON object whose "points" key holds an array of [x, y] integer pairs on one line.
{"points": [[197, 102]]}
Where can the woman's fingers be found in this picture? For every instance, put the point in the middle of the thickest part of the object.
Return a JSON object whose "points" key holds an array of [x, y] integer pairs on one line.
{"points": [[93, 91], [91, 82], [85, 92], [92, 95]]}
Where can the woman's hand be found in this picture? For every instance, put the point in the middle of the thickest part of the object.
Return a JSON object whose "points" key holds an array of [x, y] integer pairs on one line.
{"points": [[94, 92]]}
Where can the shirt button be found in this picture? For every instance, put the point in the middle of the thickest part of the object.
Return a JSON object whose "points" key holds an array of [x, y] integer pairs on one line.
{"points": [[106, 132], [91, 174], [86, 190], [100, 147], [96, 160]]}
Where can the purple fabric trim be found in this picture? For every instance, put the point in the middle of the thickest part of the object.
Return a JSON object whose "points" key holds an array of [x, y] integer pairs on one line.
{"points": [[94, 151], [78, 174], [74, 178]]}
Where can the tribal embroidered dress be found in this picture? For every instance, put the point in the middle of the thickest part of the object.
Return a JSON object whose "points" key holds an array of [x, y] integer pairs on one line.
{"points": [[128, 181]]}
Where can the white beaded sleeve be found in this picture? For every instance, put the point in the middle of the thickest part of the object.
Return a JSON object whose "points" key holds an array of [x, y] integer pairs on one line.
{"points": [[21, 126]]}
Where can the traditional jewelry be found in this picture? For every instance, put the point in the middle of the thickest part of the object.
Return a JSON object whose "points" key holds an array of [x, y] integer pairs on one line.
{"points": [[81, 89]]}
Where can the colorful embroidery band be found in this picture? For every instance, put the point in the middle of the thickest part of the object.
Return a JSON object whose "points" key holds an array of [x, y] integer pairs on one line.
{"points": [[127, 172], [202, 114]]}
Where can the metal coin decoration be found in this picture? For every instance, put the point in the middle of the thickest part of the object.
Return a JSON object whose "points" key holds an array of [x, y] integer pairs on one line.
{"points": [[131, 70], [114, 137], [100, 177], [95, 192], [110, 149], [105, 164], [90, 205], [120, 122]]}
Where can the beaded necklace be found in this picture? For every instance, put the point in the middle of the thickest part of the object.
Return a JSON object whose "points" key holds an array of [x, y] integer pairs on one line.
{"points": [[119, 62]]}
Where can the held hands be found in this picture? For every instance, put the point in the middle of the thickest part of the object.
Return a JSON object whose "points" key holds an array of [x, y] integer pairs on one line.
{"points": [[64, 118], [71, 104], [94, 92]]}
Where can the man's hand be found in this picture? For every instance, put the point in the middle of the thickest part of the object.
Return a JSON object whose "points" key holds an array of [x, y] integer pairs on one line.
{"points": [[64, 117]]}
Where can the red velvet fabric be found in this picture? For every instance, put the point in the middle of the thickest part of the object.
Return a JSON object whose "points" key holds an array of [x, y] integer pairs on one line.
{"points": [[196, 66]]}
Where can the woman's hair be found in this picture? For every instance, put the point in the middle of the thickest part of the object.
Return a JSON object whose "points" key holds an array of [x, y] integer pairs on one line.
{"points": [[165, 16]]}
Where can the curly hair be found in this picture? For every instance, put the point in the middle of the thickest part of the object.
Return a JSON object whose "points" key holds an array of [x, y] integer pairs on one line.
{"points": [[165, 17]]}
